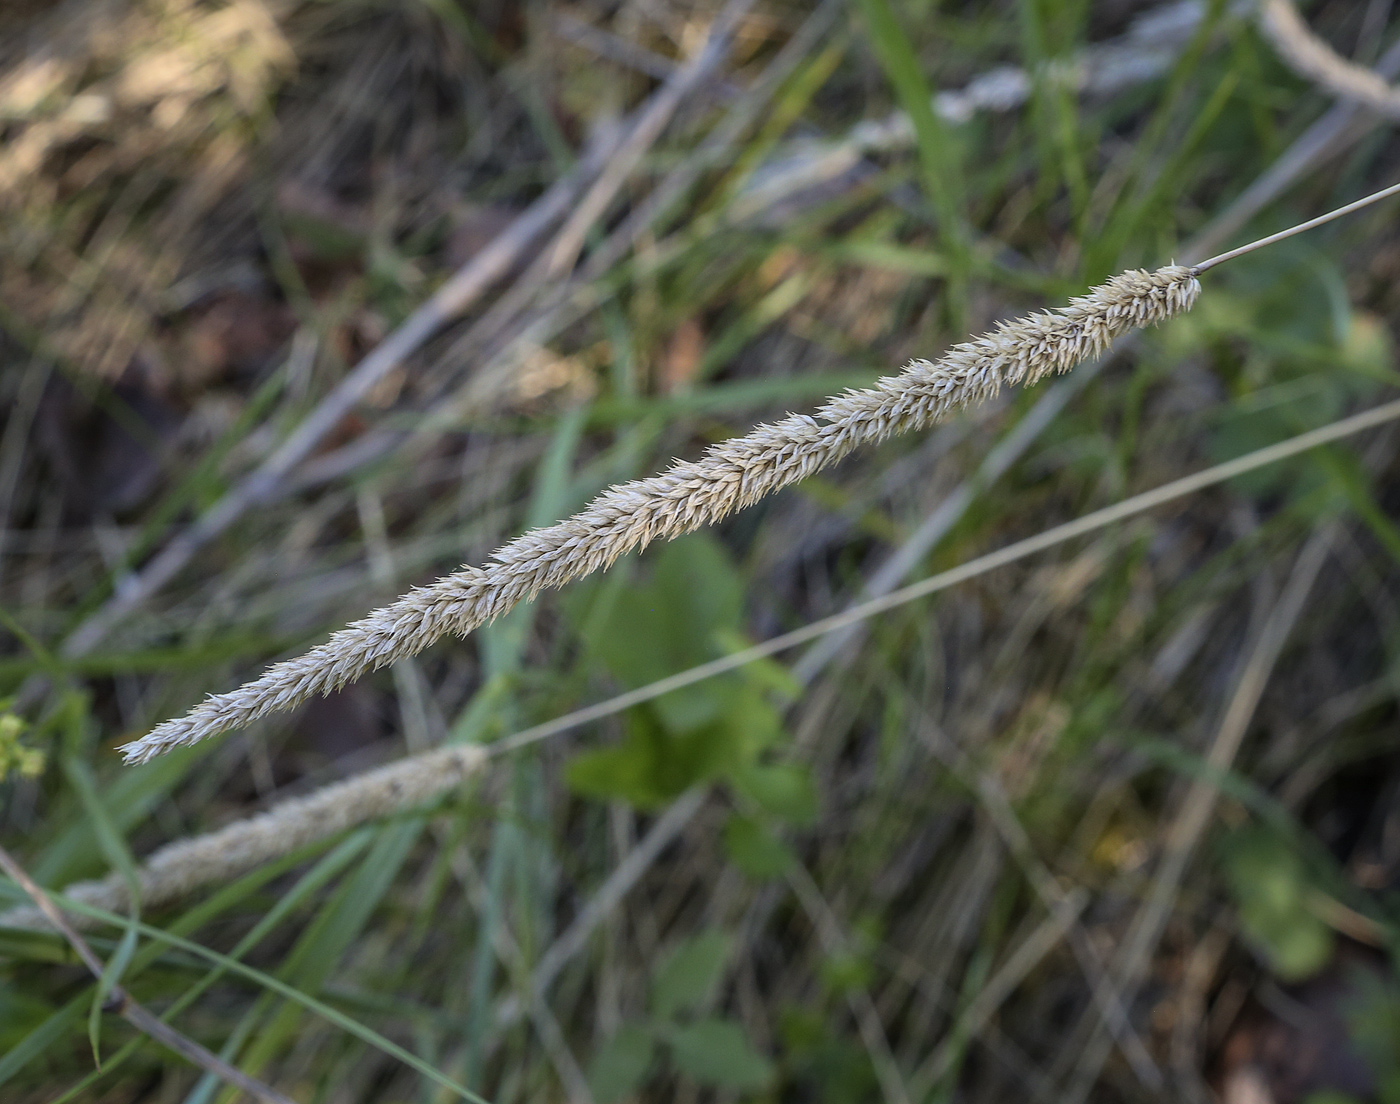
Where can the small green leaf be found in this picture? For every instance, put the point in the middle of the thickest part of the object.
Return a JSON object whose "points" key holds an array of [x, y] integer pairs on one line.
{"points": [[836, 1067], [717, 1052], [621, 1064], [845, 971], [672, 621], [25, 761], [626, 770], [755, 850], [752, 725], [1367, 347], [1270, 885], [650, 766], [687, 978], [765, 674], [783, 789]]}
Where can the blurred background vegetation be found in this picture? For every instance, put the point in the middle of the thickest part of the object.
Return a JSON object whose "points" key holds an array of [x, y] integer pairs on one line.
{"points": [[996, 843]]}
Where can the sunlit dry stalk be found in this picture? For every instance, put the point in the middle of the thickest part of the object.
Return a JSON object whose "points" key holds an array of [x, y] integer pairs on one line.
{"points": [[692, 494], [217, 858], [1314, 60]]}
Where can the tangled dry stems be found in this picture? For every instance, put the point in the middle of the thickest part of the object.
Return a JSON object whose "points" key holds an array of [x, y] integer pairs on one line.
{"points": [[692, 494]]}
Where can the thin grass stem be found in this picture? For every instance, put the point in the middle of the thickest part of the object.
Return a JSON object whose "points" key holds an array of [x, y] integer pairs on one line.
{"points": [[1321, 220]]}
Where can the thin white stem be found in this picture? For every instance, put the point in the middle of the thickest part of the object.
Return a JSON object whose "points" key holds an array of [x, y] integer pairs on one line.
{"points": [[1374, 197]]}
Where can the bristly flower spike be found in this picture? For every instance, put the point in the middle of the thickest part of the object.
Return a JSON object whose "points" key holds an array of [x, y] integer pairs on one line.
{"points": [[727, 477]]}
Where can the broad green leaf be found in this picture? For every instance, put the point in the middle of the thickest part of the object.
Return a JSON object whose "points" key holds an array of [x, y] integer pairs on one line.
{"points": [[755, 850], [649, 767], [1269, 883], [700, 588], [766, 674], [688, 977], [656, 628], [686, 613], [717, 1052], [753, 725], [782, 789], [621, 1064]]}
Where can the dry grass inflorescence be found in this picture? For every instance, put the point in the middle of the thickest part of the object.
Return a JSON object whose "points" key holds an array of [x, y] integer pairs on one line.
{"points": [[1041, 747]]}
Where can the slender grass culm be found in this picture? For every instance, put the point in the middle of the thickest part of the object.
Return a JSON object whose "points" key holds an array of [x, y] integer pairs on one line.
{"points": [[728, 477]]}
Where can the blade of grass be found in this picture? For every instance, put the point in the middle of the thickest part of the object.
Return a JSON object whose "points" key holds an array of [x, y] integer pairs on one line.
{"points": [[117, 854], [125, 1005], [313, 880], [281, 988], [327, 939], [42, 1038], [939, 157]]}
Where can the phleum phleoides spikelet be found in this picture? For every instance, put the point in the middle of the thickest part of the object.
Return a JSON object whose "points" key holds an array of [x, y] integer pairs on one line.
{"points": [[691, 494]]}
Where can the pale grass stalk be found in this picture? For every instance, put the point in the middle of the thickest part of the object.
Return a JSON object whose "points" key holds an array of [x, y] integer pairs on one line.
{"points": [[1314, 60], [692, 494]]}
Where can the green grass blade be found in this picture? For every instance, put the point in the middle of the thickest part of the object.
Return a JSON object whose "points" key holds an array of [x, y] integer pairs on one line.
{"points": [[281, 988], [41, 1038], [938, 152], [119, 856]]}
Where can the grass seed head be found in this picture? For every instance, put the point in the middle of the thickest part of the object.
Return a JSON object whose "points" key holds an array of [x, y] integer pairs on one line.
{"points": [[695, 493]]}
